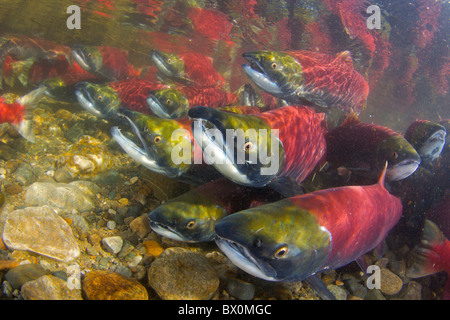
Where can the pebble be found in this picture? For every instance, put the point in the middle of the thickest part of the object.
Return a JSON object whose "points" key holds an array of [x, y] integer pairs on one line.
{"points": [[49, 287], [141, 226], [153, 248], [181, 274], [42, 231], [338, 292], [24, 174], [390, 283], [111, 225], [61, 195], [107, 285], [19, 275], [113, 244], [240, 289], [412, 291]]}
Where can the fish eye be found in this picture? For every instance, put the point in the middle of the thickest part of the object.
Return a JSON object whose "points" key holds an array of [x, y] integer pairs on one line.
{"points": [[281, 251], [168, 101], [274, 65], [157, 139], [169, 60], [248, 146], [190, 224], [395, 155]]}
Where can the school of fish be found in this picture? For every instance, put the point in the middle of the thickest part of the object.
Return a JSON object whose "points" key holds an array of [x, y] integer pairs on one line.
{"points": [[283, 191]]}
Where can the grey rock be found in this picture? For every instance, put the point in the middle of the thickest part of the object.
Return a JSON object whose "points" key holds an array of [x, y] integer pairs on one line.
{"points": [[240, 289], [19, 275], [113, 244], [24, 174], [338, 292]]}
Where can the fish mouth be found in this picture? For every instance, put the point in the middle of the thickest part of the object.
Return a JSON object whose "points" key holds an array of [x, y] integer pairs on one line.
{"points": [[402, 169], [145, 156], [166, 231], [160, 63], [157, 108], [86, 101], [243, 259], [256, 72], [80, 58]]}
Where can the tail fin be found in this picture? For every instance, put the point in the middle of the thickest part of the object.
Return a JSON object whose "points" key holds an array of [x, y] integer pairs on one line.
{"points": [[425, 253], [19, 70], [29, 101]]}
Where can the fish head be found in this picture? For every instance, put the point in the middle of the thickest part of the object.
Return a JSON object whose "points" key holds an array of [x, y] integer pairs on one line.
{"points": [[275, 72], [168, 103], [190, 217], [243, 148], [89, 58], [403, 159], [428, 138], [166, 144], [169, 64], [275, 242], [99, 99]]}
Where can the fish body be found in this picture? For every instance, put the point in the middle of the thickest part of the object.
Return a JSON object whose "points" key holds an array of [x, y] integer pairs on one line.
{"points": [[432, 255], [281, 162], [24, 48], [191, 217], [294, 238], [175, 102], [427, 137], [14, 110], [108, 62], [364, 148], [187, 68], [104, 100], [303, 77]]}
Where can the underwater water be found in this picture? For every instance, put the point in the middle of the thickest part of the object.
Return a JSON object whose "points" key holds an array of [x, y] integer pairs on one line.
{"points": [[110, 173]]}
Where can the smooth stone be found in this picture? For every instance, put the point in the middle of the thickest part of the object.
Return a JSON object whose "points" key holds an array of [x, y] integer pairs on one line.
{"points": [[107, 285], [113, 244], [240, 289], [181, 274], [412, 291], [49, 287], [19, 275], [141, 226], [60, 195], [40, 230], [338, 292], [390, 283]]}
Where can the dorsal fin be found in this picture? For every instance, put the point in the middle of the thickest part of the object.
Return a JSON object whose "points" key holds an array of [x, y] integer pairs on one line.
{"points": [[346, 57], [382, 177]]}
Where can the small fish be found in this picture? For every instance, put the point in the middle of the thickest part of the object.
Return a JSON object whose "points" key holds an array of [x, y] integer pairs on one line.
{"points": [[364, 148], [190, 68], [281, 162], [159, 147], [295, 238], [192, 216], [14, 110], [303, 77], [175, 102], [427, 137], [104, 100], [432, 255], [108, 62]]}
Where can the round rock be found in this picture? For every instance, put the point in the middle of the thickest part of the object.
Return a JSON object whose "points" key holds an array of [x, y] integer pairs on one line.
{"points": [[180, 274], [390, 283]]}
